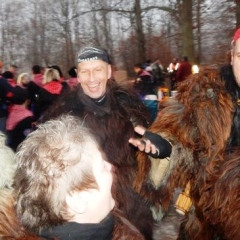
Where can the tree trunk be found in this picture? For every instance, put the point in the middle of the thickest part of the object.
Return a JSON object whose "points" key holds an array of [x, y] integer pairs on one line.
{"points": [[186, 26], [237, 13], [140, 34], [199, 39]]}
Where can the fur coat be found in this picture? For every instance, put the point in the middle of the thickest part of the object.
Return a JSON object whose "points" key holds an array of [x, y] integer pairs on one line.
{"points": [[112, 122], [10, 227], [7, 164], [198, 124]]}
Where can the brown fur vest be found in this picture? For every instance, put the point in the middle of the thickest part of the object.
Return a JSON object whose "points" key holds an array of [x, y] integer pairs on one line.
{"points": [[198, 125], [112, 124]]}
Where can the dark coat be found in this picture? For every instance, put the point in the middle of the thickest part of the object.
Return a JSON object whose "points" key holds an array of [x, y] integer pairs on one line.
{"points": [[20, 131], [184, 70], [144, 83], [112, 122], [46, 98], [113, 227], [122, 230], [5, 88]]}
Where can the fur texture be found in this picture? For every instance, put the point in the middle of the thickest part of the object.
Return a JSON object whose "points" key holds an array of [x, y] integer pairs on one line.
{"points": [[9, 225], [10, 228], [198, 124], [7, 164], [112, 124]]}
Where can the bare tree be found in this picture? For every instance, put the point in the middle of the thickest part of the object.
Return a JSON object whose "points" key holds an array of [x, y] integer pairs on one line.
{"points": [[51, 32], [237, 13]]}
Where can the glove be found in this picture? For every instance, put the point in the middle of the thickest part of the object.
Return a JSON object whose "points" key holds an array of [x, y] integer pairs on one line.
{"points": [[164, 148]]}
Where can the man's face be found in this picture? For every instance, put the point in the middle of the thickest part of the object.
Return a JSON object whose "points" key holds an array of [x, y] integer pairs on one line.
{"points": [[236, 61], [93, 76], [101, 202]]}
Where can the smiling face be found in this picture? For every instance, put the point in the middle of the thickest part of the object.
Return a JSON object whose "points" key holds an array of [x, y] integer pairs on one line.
{"points": [[93, 76]]}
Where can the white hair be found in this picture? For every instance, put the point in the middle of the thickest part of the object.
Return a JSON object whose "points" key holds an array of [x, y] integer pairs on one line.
{"points": [[7, 164], [21, 77]]}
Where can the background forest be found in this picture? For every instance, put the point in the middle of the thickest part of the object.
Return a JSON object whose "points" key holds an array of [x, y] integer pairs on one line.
{"points": [[52, 31]]}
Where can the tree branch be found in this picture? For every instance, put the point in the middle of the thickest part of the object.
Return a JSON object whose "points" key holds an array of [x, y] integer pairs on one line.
{"points": [[163, 8]]}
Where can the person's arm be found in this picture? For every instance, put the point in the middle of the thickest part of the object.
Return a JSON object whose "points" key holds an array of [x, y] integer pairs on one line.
{"points": [[151, 143], [6, 86]]}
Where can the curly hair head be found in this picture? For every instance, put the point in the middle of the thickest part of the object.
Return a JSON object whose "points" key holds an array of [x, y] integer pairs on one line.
{"points": [[52, 162]]}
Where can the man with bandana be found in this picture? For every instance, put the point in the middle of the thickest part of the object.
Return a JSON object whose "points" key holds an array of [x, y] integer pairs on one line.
{"points": [[110, 111]]}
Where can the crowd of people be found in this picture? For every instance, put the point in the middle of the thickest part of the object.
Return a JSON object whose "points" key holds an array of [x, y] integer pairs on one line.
{"points": [[153, 75], [25, 97], [78, 173]]}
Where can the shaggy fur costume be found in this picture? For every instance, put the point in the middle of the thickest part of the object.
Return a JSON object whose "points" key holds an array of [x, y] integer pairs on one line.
{"points": [[198, 124], [7, 164], [9, 225], [11, 229], [111, 122]]}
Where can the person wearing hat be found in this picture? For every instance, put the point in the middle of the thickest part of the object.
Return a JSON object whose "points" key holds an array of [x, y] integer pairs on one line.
{"points": [[110, 111]]}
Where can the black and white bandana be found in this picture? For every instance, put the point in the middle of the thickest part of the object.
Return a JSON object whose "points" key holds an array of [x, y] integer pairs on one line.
{"points": [[92, 53]]}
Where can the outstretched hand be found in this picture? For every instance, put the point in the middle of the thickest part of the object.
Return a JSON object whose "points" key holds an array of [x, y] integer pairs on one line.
{"points": [[143, 144]]}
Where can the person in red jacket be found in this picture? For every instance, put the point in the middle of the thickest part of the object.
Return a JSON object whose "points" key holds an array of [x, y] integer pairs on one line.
{"points": [[20, 118], [184, 70], [51, 90]]}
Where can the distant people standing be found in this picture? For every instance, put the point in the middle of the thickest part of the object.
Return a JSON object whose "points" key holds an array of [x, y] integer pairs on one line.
{"points": [[184, 70], [59, 71], [144, 81], [9, 96], [5, 88], [34, 86], [37, 75], [148, 66], [23, 79], [158, 72], [14, 70], [172, 69], [20, 119], [51, 90], [73, 80], [10, 77]]}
